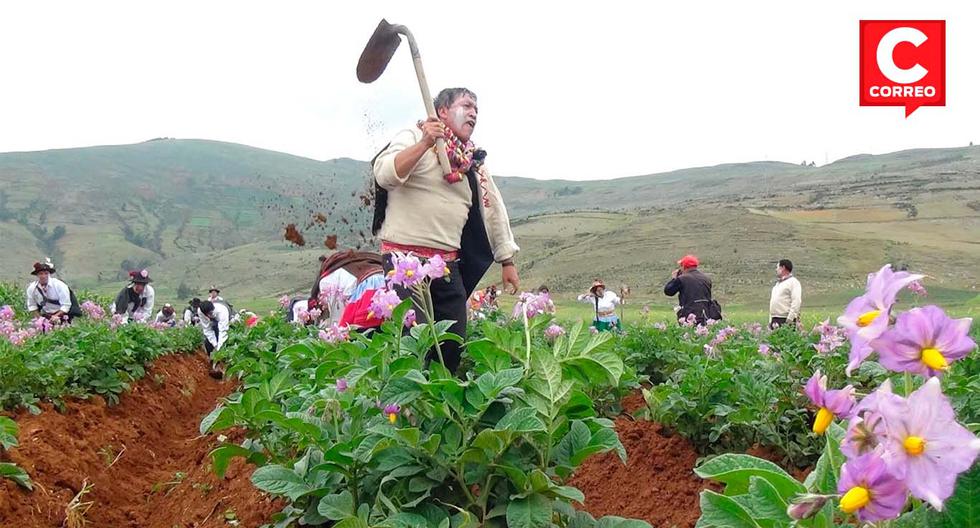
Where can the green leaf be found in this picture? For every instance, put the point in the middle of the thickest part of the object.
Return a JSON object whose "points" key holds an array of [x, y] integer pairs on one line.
{"points": [[15, 473], [719, 511], [405, 520], [734, 470], [400, 391], [488, 355], [492, 441], [569, 493], [516, 476], [612, 521], [530, 512], [352, 522], [392, 458], [823, 478], [336, 506], [222, 456], [765, 503], [279, 480], [575, 440], [605, 439], [217, 420], [491, 384], [521, 420], [431, 444], [8, 432], [410, 436]]}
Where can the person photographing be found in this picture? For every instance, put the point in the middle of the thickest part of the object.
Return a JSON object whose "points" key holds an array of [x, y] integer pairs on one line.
{"points": [[694, 291]]}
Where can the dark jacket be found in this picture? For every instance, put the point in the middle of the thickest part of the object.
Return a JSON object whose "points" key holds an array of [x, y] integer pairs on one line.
{"points": [[694, 288]]}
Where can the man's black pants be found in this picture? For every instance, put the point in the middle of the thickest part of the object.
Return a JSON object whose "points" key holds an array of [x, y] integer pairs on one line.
{"points": [[449, 304]]}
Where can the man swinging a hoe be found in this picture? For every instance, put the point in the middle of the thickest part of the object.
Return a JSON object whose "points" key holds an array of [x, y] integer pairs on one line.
{"points": [[459, 216], [434, 196]]}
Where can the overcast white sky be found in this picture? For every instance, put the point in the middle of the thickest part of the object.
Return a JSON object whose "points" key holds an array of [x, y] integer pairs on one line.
{"points": [[615, 89]]}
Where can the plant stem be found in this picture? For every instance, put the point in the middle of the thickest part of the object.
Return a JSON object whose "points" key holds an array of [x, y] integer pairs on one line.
{"points": [[908, 384], [429, 308], [527, 337]]}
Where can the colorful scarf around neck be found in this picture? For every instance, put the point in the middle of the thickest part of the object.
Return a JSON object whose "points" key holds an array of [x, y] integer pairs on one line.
{"points": [[460, 156]]}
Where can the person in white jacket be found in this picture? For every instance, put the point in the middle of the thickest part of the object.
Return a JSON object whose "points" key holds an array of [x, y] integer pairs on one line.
{"points": [[786, 300], [166, 316], [605, 303], [47, 296], [215, 321]]}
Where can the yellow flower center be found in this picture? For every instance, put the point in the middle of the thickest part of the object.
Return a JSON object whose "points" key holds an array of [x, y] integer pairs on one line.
{"points": [[914, 445], [392, 417], [409, 273], [856, 498], [934, 359], [823, 420], [868, 317]]}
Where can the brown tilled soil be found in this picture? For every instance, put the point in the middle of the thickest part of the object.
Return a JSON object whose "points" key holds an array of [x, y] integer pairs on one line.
{"points": [[144, 458], [657, 484]]}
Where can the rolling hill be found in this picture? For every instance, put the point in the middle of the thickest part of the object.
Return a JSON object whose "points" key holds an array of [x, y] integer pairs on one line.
{"points": [[199, 212]]}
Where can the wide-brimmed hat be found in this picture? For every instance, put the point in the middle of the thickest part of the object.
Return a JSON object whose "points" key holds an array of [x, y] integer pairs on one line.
{"points": [[140, 277], [214, 289], [688, 261], [43, 266], [596, 284]]}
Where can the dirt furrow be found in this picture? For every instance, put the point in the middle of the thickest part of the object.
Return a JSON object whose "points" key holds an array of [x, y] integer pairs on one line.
{"points": [[144, 459]]}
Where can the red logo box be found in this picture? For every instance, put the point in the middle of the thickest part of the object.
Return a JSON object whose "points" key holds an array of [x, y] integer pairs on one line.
{"points": [[903, 63]]}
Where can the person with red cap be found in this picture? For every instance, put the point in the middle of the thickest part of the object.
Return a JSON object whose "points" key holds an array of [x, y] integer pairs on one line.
{"points": [[694, 290]]}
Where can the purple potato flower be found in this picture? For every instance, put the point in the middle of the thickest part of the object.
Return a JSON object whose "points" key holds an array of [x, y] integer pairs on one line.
{"points": [[391, 411], [42, 324], [335, 334], [284, 301], [924, 341], [410, 318], [93, 311], [866, 317], [407, 270], [435, 268], [869, 490], [531, 304], [6, 313], [830, 403], [342, 385], [764, 349], [917, 288], [924, 446], [383, 303], [554, 331]]}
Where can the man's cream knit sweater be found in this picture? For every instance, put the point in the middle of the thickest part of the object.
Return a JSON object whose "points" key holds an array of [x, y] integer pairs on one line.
{"points": [[425, 210]]}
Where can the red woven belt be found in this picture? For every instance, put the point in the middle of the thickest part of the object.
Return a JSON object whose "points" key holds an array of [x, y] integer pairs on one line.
{"points": [[419, 251]]}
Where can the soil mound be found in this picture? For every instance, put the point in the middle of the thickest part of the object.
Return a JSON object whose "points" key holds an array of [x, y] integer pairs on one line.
{"points": [[147, 465]]}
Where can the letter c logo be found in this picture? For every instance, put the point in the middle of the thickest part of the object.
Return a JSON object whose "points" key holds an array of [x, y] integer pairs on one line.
{"points": [[886, 61]]}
